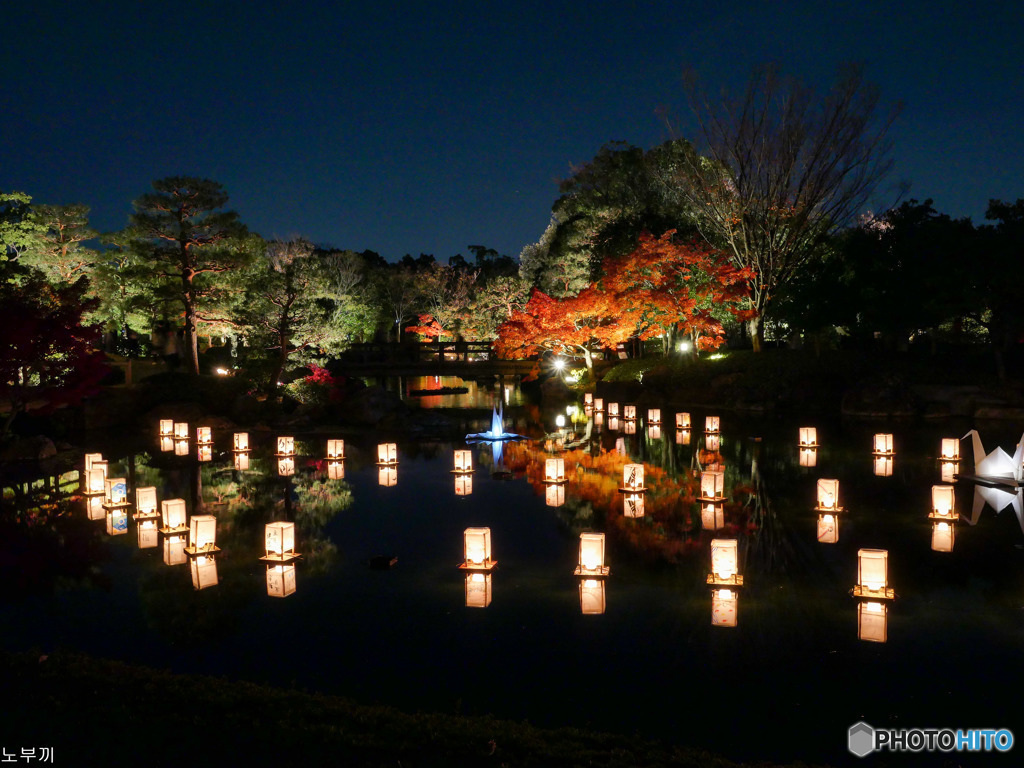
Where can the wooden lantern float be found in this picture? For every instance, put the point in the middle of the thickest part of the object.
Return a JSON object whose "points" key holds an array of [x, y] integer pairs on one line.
{"points": [[180, 447], [882, 465], [285, 466], [117, 521], [335, 450], [148, 534], [943, 503], [204, 452], [828, 528], [96, 479], [202, 536], [281, 580], [387, 453], [477, 549], [873, 574], [240, 441], [724, 607], [285, 446], [204, 435], [712, 442], [725, 563], [633, 479], [682, 421], [808, 437], [591, 562], [682, 437], [166, 443], [872, 621], [145, 504], [387, 475], [629, 412], [592, 597], [943, 535], [174, 517], [828, 496], [166, 428], [335, 470], [712, 486], [241, 461], [712, 516], [712, 425], [654, 415], [174, 550], [554, 470], [949, 450], [181, 430], [808, 457], [633, 505], [463, 484], [204, 571], [554, 494], [613, 410], [478, 589], [115, 492], [882, 445], [279, 540], [463, 461], [598, 405]]}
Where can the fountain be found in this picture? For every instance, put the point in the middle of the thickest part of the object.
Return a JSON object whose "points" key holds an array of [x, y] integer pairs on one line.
{"points": [[497, 431]]}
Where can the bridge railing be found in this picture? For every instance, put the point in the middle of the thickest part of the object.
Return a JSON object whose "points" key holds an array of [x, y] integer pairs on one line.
{"points": [[419, 352]]}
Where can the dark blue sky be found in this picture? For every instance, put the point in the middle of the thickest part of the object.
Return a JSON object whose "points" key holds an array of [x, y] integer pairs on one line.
{"points": [[424, 127]]}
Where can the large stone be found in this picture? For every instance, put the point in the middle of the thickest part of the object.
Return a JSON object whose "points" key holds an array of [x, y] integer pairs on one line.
{"points": [[29, 449]]}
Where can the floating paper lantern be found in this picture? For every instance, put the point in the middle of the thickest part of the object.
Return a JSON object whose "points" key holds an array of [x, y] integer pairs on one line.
{"points": [[286, 446], [943, 503], [477, 549], [202, 535], [173, 513], [872, 622], [808, 457], [336, 450], [598, 405], [241, 441], [883, 444], [478, 589], [808, 437], [872, 574], [92, 458], [147, 533], [145, 502], [117, 521], [554, 495], [682, 421], [950, 449], [613, 410], [598, 419], [591, 561], [279, 539], [828, 528], [180, 430], [724, 607], [387, 453], [166, 428], [712, 442], [335, 470], [711, 424], [554, 471], [654, 415], [204, 435], [633, 505], [588, 400], [204, 452], [166, 443], [174, 550], [180, 447], [629, 412], [882, 466], [712, 485], [712, 517], [115, 492], [943, 534], [285, 466], [96, 479], [387, 476], [633, 478], [682, 437], [242, 461], [463, 484], [281, 580], [592, 597], [463, 461], [204, 572], [828, 496], [725, 562]]}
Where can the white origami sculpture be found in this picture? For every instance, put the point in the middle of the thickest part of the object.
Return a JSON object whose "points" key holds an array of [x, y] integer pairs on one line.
{"points": [[998, 466]]}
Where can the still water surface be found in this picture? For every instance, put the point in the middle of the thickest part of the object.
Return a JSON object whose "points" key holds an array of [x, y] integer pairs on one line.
{"points": [[784, 683]]}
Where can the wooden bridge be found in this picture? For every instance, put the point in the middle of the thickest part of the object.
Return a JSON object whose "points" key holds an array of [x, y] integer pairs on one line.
{"points": [[467, 359]]}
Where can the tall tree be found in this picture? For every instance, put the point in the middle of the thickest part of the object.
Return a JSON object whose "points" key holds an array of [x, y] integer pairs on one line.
{"points": [[783, 170], [60, 252], [190, 244], [18, 230]]}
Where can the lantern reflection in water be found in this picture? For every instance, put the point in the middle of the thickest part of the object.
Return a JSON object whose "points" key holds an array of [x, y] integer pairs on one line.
{"points": [[725, 563], [948, 471], [148, 535], [724, 607], [633, 505], [204, 572], [174, 550], [882, 445], [281, 580], [173, 512], [387, 453], [828, 528], [633, 478], [712, 516], [180, 447], [387, 476], [463, 484], [592, 597], [629, 427], [873, 574], [240, 441], [241, 461], [943, 535], [712, 424], [654, 431], [477, 550], [943, 503], [712, 442], [286, 466], [335, 450], [117, 521], [554, 470], [872, 622], [613, 423], [463, 461], [554, 495], [682, 437], [478, 589], [591, 562], [808, 457], [883, 466], [204, 452], [598, 419], [949, 449], [808, 437], [94, 507], [166, 443]]}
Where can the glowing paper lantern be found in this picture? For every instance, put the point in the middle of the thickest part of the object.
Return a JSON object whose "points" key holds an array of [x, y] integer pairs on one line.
{"points": [[592, 597], [202, 535], [96, 479], [335, 470], [613, 410], [950, 450], [588, 400], [828, 496], [682, 437], [943, 534], [711, 424], [285, 466], [724, 607], [204, 435], [281, 580], [724, 562], [166, 428], [554, 471], [145, 502], [477, 549], [204, 572], [115, 492], [241, 441], [387, 453], [633, 478], [943, 503], [180, 430], [654, 415], [808, 457], [173, 513], [147, 533], [279, 538], [94, 507], [633, 505], [242, 461], [336, 450], [92, 458], [598, 419], [712, 442], [174, 550], [712, 517], [598, 404], [592, 555], [478, 589], [828, 528], [883, 444], [712, 485], [682, 421], [654, 432], [808, 437], [554, 495], [166, 443], [181, 447], [204, 452], [629, 412], [463, 461], [387, 476], [872, 574], [883, 466], [286, 446], [872, 622], [463, 484], [117, 521]]}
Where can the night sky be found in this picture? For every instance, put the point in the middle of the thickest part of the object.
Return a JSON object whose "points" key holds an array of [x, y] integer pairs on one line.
{"points": [[426, 127]]}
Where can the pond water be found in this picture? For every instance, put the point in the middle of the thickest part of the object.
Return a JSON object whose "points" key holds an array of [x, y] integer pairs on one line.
{"points": [[635, 652]]}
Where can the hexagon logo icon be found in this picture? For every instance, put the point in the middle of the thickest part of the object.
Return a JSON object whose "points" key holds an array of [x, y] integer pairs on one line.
{"points": [[861, 739]]}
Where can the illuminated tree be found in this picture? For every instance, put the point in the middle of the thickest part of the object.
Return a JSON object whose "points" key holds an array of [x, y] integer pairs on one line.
{"points": [[59, 251], [18, 231]]}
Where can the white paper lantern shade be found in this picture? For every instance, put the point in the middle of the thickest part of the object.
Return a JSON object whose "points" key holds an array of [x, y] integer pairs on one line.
{"points": [[949, 450], [476, 544], [202, 536], [240, 441], [463, 484], [828, 495], [588, 400], [882, 444], [598, 405], [285, 466], [808, 457], [808, 437], [285, 446], [712, 485], [872, 622], [712, 424], [828, 528], [90, 459], [478, 589], [463, 461], [943, 535], [613, 410], [873, 574], [682, 420], [387, 476], [554, 495], [174, 517], [166, 443], [654, 416], [591, 560], [629, 427], [335, 450], [204, 452], [335, 470], [712, 442], [882, 465], [725, 563], [181, 430], [279, 542], [166, 428], [387, 453], [204, 435], [633, 505], [943, 503], [554, 470], [145, 503], [633, 478], [96, 479], [592, 597], [241, 461], [180, 447], [683, 437], [724, 607], [115, 492], [629, 412], [281, 580], [117, 521], [94, 507]]}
